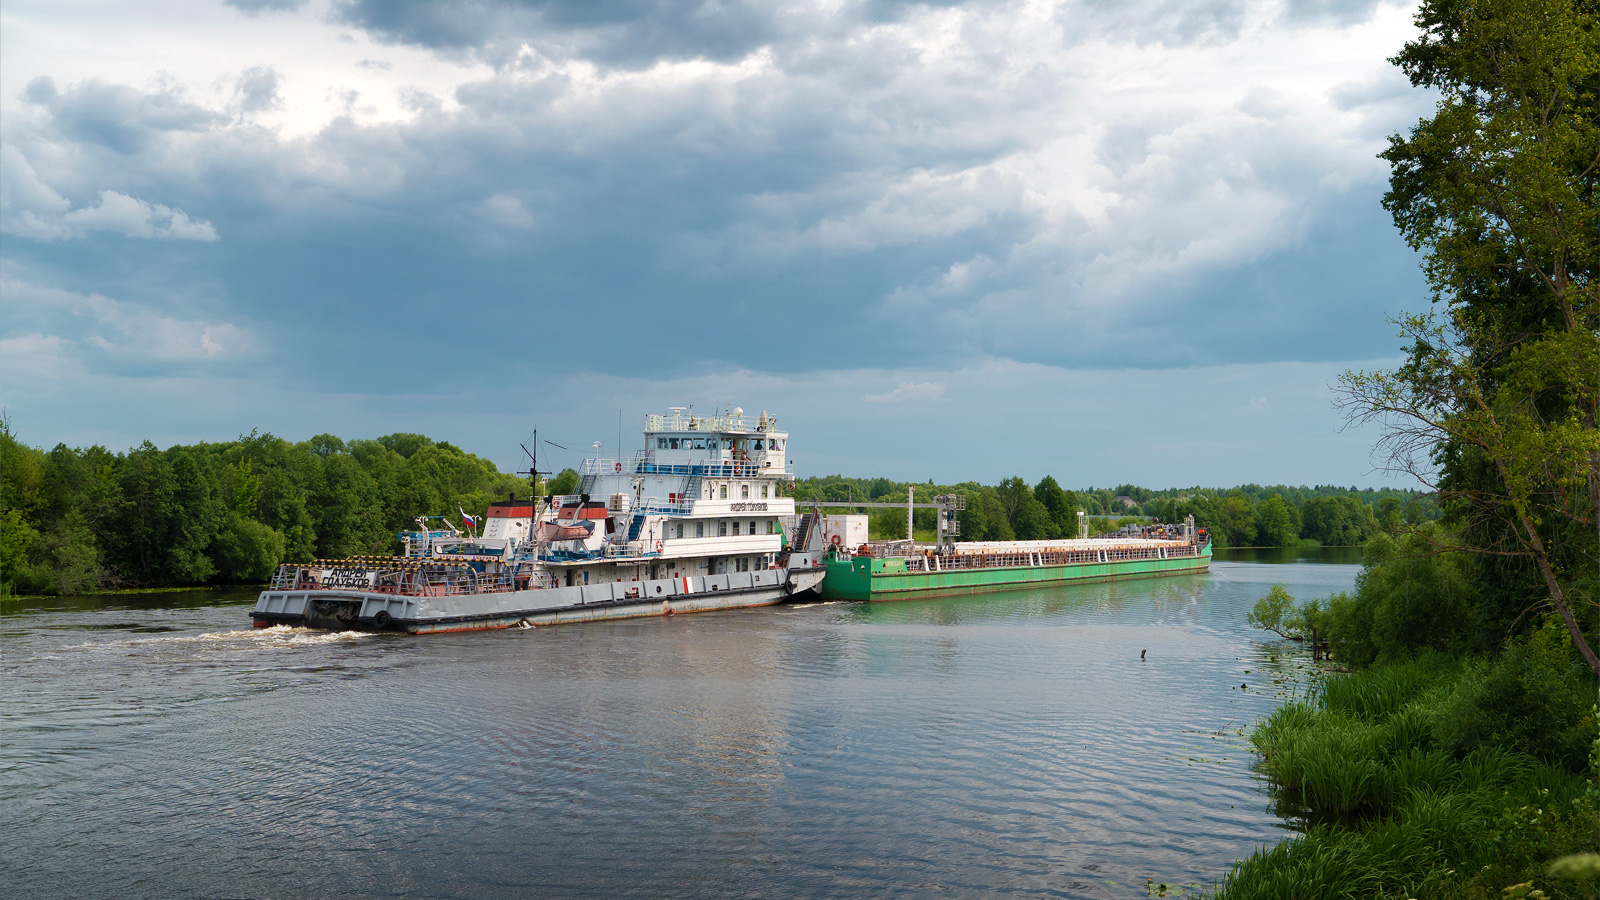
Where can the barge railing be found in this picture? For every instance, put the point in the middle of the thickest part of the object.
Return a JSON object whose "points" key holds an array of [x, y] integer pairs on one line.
{"points": [[928, 561], [413, 579]]}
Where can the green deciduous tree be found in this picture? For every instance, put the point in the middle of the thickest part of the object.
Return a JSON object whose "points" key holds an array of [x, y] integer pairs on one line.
{"points": [[1496, 407], [567, 481], [1275, 522]]}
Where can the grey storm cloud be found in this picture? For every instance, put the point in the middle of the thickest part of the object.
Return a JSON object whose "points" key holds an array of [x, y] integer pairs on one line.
{"points": [[117, 116], [622, 33], [865, 202], [257, 90], [1343, 12]]}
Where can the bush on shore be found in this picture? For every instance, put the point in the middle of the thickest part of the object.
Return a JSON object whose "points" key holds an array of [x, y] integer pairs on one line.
{"points": [[1434, 777]]}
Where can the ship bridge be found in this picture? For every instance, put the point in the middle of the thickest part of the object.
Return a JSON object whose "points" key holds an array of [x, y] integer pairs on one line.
{"points": [[719, 465], [725, 445]]}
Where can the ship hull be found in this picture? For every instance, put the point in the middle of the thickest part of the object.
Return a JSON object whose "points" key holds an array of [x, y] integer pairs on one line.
{"points": [[355, 610], [866, 578]]}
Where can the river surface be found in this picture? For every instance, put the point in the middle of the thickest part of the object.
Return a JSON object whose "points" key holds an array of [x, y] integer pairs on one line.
{"points": [[156, 746]]}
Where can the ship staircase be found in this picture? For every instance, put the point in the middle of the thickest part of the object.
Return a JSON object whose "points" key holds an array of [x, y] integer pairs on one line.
{"points": [[802, 532], [636, 525]]}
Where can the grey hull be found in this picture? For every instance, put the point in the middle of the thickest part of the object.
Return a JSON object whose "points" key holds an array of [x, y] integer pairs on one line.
{"points": [[343, 609]]}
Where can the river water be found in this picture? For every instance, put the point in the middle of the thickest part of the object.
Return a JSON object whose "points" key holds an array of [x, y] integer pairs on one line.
{"points": [[1015, 744]]}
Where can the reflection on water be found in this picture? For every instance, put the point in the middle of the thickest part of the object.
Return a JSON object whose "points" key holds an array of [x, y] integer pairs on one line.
{"points": [[1011, 743], [1345, 555]]}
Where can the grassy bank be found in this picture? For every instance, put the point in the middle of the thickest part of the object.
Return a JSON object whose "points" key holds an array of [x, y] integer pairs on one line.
{"points": [[1433, 778]]}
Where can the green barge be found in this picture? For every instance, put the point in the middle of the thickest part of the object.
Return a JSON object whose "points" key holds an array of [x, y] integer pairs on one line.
{"points": [[904, 571]]}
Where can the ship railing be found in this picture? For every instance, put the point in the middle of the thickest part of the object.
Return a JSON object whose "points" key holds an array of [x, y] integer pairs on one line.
{"points": [[1047, 558], [408, 582], [732, 468], [656, 507], [572, 555], [285, 577], [682, 421], [632, 549]]}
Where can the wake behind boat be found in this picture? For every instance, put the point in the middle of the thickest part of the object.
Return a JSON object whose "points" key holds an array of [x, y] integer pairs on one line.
{"points": [[695, 521]]}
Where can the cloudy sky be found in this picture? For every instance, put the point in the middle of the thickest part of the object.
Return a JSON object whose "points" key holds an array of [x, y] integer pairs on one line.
{"points": [[1109, 240]]}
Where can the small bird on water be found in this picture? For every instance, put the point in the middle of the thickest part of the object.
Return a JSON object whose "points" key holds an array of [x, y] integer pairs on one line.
{"points": [[1142, 653]]}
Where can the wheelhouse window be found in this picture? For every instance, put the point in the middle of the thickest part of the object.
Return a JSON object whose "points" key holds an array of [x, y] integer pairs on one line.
{"points": [[722, 529], [763, 492], [661, 443], [724, 492], [744, 492]]}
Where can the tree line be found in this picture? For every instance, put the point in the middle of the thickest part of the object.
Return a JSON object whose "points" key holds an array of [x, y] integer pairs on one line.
{"points": [[74, 520], [1244, 516]]}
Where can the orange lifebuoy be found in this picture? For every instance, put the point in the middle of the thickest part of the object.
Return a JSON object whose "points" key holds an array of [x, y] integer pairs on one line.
{"points": [[619, 467], [658, 546], [836, 541], [738, 470]]}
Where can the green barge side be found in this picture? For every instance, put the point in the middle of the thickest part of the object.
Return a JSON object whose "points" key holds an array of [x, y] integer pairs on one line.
{"points": [[906, 577]]}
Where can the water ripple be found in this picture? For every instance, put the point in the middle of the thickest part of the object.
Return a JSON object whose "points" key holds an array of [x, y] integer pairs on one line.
{"points": [[1014, 744]]}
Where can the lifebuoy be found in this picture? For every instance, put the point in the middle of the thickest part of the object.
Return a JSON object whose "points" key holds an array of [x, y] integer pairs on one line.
{"points": [[619, 467], [738, 470], [658, 546], [837, 540]]}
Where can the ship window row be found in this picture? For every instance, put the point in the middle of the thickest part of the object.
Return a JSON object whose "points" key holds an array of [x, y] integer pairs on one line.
{"points": [[704, 443], [727, 527], [744, 490]]}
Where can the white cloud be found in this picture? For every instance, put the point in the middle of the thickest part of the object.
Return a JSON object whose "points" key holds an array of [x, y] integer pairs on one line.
{"points": [[909, 392], [32, 209], [104, 332]]}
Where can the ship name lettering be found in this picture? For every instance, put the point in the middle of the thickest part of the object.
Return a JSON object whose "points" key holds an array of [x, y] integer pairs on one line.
{"points": [[345, 576], [747, 507]]}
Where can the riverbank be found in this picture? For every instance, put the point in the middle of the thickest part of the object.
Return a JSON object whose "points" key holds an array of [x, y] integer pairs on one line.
{"points": [[1434, 778]]}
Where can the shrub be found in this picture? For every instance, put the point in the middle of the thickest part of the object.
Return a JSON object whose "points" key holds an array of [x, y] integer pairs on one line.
{"points": [[1410, 600], [1534, 697]]}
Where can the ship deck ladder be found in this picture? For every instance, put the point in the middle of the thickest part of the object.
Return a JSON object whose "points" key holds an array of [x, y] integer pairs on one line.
{"points": [[802, 532]]}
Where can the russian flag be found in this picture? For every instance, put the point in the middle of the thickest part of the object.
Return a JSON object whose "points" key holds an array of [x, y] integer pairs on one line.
{"points": [[471, 522]]}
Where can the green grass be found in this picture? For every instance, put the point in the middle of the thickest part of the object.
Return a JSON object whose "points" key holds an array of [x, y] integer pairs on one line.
{"points": [[1390, 813]]}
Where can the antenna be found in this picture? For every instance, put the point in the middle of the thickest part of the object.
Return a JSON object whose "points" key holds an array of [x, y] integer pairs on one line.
{"points": [[533, 471]]}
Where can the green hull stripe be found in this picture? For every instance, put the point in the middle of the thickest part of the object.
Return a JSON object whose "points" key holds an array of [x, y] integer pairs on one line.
{"points": [[865, 579]]}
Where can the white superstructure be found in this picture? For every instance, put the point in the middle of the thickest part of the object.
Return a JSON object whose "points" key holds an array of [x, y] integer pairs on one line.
{"points": [[708, 495]]}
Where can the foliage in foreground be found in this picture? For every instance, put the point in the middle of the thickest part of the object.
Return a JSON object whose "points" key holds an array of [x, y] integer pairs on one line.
{"points": [[1434, 778]]}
